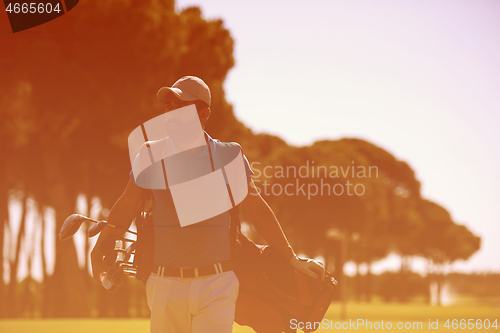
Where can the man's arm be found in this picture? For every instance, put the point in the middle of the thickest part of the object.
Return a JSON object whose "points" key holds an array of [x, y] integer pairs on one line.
{"points": [[267, 225], [121, 215]]}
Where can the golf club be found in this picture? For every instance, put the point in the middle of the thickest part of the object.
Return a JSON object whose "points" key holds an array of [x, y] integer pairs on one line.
{"points": [[74, 221], [97, 228], [131, 249], [72, 224], [113, 243], [118, 265]]}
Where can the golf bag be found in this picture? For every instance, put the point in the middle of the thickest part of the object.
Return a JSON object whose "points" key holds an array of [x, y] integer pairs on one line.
{"points": [[271, 292]]}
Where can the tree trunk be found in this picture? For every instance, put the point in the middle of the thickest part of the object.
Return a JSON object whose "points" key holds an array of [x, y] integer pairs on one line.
{"points": [[343, 278], [4, 219], [65, 289], [333, 264], [439, 279], [357, 283], [27, 302], [428, 278], [86, 246], [369, 283], [45, 306], [438, 291], [12, 300], [403, 280]]}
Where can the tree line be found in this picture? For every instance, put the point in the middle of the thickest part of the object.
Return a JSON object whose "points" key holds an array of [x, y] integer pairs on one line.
{"points": [[70, 97]]}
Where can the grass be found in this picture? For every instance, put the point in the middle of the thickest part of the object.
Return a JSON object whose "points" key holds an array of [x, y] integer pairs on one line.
{"points": [[374, 313]]}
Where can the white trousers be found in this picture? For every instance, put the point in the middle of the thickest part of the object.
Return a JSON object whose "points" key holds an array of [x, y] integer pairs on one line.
{"points": [[192, 305]]}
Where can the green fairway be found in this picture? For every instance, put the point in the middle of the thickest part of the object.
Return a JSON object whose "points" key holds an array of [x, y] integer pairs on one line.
{"points": [[390, 314], [84, 326]]}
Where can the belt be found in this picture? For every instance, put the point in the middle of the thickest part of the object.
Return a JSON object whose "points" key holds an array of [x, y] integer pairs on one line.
{"points": [[190, 272]]}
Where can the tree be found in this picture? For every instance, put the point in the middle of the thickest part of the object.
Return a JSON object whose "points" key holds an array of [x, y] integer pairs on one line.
{"points": [[443, 241]]}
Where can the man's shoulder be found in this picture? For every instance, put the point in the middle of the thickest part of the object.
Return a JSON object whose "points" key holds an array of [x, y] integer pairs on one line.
{"points": [[222, 144], [227, 151], [227, 145]]}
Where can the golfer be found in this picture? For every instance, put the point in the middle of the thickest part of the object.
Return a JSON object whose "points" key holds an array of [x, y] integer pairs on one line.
{"points": [[192, 287]]}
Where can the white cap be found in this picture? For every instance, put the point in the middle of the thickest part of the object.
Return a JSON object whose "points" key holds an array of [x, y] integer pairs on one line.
{"points": [[187, 88]]}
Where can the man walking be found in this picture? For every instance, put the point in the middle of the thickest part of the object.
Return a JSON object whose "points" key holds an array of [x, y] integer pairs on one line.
{"points": [[192, 287]]}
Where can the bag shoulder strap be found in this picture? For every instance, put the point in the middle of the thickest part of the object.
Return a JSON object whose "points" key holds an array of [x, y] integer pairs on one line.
{"points": [[235, 223]]}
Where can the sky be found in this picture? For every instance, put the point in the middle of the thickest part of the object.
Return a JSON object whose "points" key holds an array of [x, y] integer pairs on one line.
{"points": [[420, 79]]}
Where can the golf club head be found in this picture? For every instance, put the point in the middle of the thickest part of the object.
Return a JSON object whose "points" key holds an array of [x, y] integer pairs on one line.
{"points": [[131, 249], [97, 228], [72, 224], [124, 254]]}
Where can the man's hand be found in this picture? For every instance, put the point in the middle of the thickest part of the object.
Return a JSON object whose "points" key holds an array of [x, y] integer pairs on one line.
{"points": [[309, 267], [106, 269], [103, 256], [114, 277], [121, 215]]}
